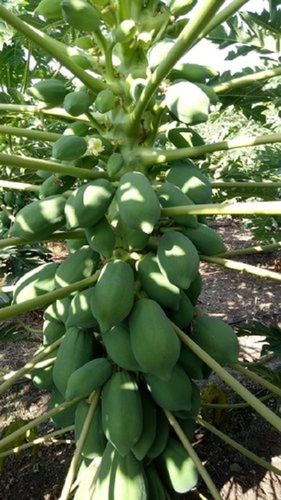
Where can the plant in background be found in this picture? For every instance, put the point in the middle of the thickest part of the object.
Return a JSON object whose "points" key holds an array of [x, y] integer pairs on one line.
{"points": [[123, 342]]}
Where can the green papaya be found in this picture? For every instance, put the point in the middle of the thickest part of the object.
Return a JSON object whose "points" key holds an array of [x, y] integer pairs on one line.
{"points": [[138, 204], [184, 137], [86, 478], [80, 15], [209, 91], [35, 283], [95, 441], [101, 238], [52, 331], [114, 164], [206, 240], [75, 244], [154, 484], [118, 347], [188, 103], [76, 349], [42, 376], [65, 417], [83, 42], [159, 51], [192, 365], [77, 103], [80, 313], [182, 317], [155, 344], [120, 400], [119, 477], [51, 91], [173, 394], [55, 184], [148, 434], [105, 101], [171, 196], [161, 436], [134, 239], [39, 218], [87, 205], [89, 377], [69, 147], [181, 7], [191, 181], [43, 174], [113, 295], [58, 310], [195, 288], [177, 468], [155, 284], [77, 266], [50, 9], [178, 258], [191, 414], [188, 426], [77, 128], [191, 72], [216, 338]]}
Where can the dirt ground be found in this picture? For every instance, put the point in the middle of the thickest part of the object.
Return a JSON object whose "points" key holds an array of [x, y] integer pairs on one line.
{"points": [[228, 295]]}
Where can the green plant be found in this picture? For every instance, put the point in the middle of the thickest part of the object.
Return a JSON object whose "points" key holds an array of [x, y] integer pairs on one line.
{"points": [[135, 194]]}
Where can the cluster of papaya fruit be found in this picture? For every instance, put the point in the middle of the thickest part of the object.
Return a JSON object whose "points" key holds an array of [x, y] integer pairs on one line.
{"points": [[118, 335]]}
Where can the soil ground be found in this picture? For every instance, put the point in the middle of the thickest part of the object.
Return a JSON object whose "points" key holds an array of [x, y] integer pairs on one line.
{"points": [[228, 295]]}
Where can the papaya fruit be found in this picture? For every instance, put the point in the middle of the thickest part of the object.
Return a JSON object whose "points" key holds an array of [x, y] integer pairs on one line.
{"points": [[118, 347], [79, 14], [173, 394], [216, 338], [51, 91], [134, 239], [119, 477], [184, 137], [187, 103], [155, 344], [52, 331], [88, 378], [113, 295], [209, 91], [50, 9], [39, 218], [104, 101], [80, 313], [83, 42], [181, 7], [76, 103], [206, 240], [188, 426], [147, 437], [192, 72], [195, 407], [95, 441], [77, 266], [155, 284], [86, 478], [114, 164], [154, 484], [69, 147], [120, 399], [171, 196], [124, 31], [77, 128], [192, 365], [35, 283], [76, 349], [159, 51], [177, 468], [65, 417], [42, 377], [87, 205], [195, 288], [178, 258], [182, 317], [43, 174], [161, 436], [58, 310], [75, 244], [55, 184], [191, 181], [101, 238], [138, 204]]}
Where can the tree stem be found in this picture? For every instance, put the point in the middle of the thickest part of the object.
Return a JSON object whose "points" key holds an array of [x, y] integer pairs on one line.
{"points": [[241, 449], [193, 455], [242, 267], [252, 250], [36, 135], [258, 379], [242, 208], [242, 81], [265, 412], [58, 236]]}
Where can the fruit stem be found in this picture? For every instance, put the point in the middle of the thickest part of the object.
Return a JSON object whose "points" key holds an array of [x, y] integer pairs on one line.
{"points": [[265, 412], [37, 135], [79, 447], [241, 449], [50, 166], [257, 378], [242, 81], [12, 377], [40, 440], [37, 421], [19, 186], [251, 250], [47, 298], [58, 236], [56, 49], [159, 156], [239, 208], [193, 455], [185, 40], [242, 267]]}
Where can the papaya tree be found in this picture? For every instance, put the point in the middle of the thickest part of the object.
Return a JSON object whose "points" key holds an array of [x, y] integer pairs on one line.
{"points": [[123, 343]]}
